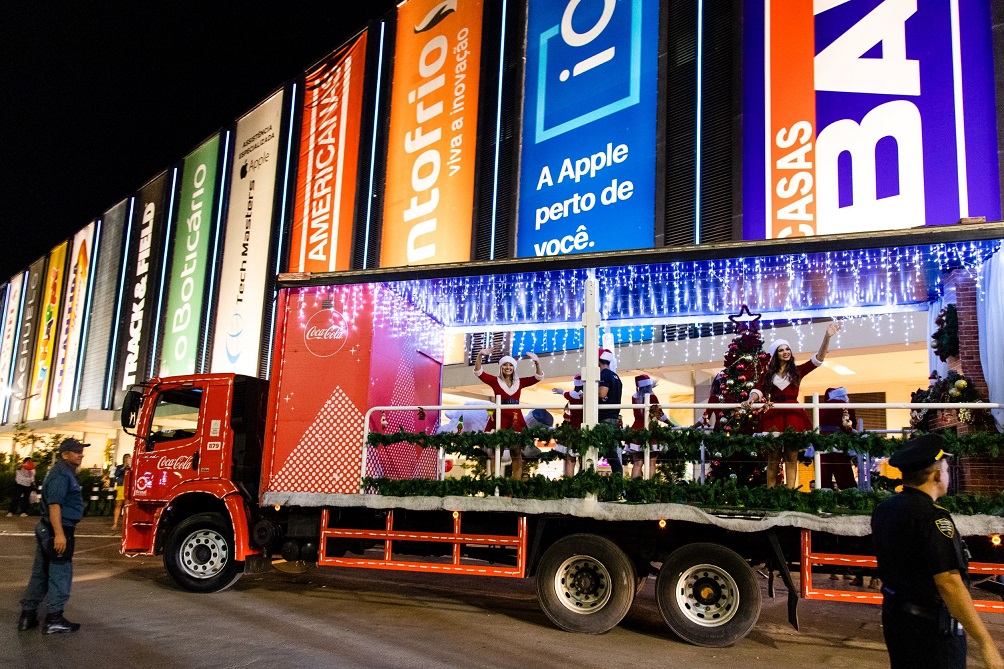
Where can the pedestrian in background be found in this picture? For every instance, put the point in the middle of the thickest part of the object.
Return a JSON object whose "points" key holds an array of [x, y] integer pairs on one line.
{"points": [[926, 609], [121, 473], [52, 570], [24, 480]]}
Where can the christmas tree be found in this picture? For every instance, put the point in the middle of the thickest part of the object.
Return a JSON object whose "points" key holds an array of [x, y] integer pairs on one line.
{"points": [[744, 362]]}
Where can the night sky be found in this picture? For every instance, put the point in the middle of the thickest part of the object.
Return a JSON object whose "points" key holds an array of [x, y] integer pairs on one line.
{"points": [[98, 97]]}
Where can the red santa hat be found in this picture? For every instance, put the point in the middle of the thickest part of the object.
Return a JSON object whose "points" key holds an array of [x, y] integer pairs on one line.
{"points": [[606, 355], [577, 381], [837, 395], [643, 381]]}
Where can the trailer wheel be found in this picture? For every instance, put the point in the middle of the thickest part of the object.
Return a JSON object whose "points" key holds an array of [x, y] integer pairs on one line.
{"points": [[199, 554], [585, 583], [708, 595]]}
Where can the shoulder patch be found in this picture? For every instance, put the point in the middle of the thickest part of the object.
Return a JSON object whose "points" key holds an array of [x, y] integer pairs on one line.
{"points": [[945, 526]]}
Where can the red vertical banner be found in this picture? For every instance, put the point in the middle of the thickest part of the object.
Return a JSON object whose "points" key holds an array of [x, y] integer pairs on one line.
{"points": [[791, 132], [329, 155]]}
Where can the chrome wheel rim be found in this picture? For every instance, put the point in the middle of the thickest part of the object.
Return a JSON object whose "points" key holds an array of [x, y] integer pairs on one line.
{"points": [[707, 595]]}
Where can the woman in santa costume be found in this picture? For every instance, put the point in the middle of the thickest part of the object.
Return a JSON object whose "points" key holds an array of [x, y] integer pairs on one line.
{"points": [[573, 417], [643, 395], [508, 386], [779, 384]]}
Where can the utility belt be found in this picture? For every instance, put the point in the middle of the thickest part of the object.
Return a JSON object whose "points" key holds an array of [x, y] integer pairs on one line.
{"points": [[509, 400], [947, 625]]}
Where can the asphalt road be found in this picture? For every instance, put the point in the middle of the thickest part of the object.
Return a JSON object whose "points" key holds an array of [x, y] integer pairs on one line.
{"points": [[133, 616]]}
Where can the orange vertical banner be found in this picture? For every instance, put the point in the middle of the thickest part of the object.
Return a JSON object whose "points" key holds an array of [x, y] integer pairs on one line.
{"points": [[48, 333], [792, 130], [329, 158], [429, 202]]}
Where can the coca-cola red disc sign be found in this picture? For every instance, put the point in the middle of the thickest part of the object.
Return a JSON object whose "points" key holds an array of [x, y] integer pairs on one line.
{"points": [[325, 333]]}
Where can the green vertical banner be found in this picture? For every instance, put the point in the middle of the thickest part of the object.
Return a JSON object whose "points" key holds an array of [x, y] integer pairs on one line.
{"points": [[190, 262]]}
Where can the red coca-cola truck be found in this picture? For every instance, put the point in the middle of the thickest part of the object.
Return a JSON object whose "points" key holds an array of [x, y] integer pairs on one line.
{"points": [[232, 473]]}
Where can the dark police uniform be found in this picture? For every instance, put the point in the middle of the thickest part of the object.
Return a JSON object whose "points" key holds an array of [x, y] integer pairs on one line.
{"points": [[52, 572], [915, 539]]}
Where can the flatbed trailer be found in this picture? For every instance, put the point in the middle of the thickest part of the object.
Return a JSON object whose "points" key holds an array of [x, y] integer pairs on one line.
{"points": [[233, 474]]}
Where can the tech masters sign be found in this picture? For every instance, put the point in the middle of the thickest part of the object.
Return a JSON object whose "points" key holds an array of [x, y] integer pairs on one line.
{"points": [[239, 309], [587, 174], [867, 115]]}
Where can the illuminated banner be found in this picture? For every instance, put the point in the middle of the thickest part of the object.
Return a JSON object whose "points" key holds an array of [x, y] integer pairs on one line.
{"points": [[321, 238], [24, 351], [587, 171], [854, 117], [72, 321], [10, 323], [141, 290], [429, 202], [100, 323], [239, 308], [48, 334], [190, 263]]}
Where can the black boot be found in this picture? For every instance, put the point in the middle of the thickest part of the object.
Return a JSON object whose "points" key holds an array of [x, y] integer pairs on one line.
{"points": [[27, 621], [55, 623]]}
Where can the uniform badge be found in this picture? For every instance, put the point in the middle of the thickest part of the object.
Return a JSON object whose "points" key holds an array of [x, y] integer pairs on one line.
{"points": [[945, 526]]}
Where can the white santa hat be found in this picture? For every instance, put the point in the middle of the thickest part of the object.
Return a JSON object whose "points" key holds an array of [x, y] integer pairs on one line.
{"points": [[774, 345], [606, 355], [837, 394], [507, 358]]}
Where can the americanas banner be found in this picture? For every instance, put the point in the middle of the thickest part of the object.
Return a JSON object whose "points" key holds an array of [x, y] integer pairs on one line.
{"points": [[866, 115], [47, 335], [428, 211], [190, 265], [587, 172], [71, 325], [321, 238], [11, 311], [239, 308], [138, 315], [24, 351]]}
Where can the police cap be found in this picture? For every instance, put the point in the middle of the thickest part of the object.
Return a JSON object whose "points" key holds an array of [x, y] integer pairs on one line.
{"points": [[71, 444], [919, 453]]}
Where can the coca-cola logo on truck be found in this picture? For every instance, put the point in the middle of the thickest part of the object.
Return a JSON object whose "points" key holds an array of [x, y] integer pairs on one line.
{"points": [[325, 333], [180, 462]]}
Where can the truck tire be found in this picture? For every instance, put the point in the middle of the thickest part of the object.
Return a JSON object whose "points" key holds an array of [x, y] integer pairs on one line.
{"points": [[585, 583], [199, 554], [708, 595]]}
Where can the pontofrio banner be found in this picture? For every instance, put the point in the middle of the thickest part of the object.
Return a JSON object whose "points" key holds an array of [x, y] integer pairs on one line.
{"points": [[321, 239], [866, 115], [241, 301], [428, 210]]}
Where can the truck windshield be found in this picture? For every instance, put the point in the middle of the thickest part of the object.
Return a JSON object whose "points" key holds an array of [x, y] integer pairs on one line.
{"points": [[176, 415]]}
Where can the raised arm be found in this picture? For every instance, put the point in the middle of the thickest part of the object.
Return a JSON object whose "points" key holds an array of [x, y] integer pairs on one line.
{"points": [[831, 329], [483, 353], [538, 372]]}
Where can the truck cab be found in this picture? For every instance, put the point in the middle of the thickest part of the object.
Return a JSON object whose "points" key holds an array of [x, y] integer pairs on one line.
{"points": [[196, 473]]}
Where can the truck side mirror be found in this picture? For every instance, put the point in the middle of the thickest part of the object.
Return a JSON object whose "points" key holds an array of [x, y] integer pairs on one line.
{"points": [[130, 409]]}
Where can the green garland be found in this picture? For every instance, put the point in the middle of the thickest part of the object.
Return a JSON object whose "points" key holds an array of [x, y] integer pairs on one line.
{"points": [[682, 445], [718, 495]]}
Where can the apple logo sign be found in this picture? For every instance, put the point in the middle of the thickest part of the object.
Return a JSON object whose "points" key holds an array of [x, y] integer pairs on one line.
{"points": [[244, 169]]}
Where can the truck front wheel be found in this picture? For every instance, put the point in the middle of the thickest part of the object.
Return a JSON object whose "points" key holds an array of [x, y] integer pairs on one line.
{"points": [[585, 583], [708, 595], [199, 554]]}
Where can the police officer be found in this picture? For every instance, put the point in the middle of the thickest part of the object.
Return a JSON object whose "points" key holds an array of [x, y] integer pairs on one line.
{"points": [[924, 566], [52, 571]]}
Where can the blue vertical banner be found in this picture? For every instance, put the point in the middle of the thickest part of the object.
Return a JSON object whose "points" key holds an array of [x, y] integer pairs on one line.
{"points": [[866, 115], [587, 169]]}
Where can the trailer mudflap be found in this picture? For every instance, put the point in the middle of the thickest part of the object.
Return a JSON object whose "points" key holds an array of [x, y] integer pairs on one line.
{"points": [[779, 563]]}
